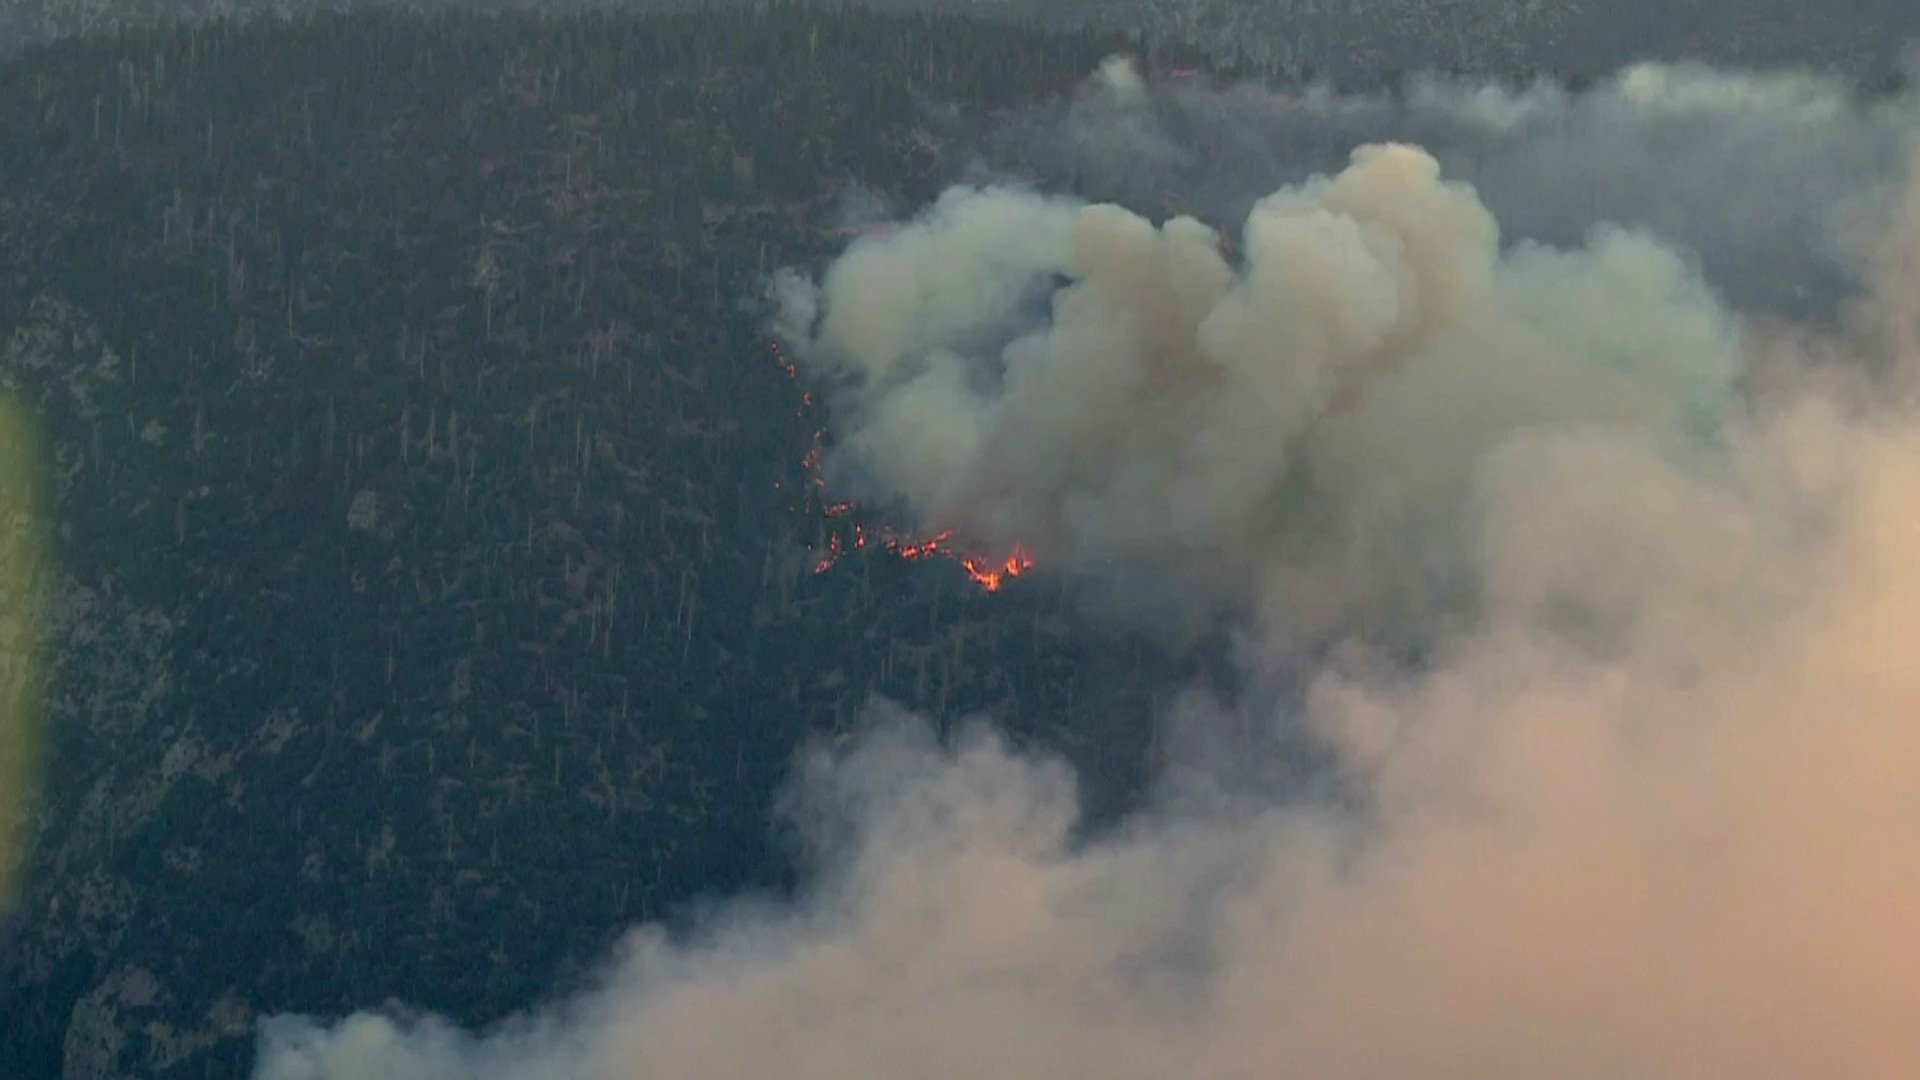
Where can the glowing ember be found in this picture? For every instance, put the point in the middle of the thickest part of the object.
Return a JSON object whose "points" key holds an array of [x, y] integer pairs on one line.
{"points": [[786, 365], [989, 574]]}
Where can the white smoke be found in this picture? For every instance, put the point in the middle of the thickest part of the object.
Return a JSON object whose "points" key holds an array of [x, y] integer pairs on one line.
{"points": [[1643, 804], [1744, 172], [1303, 426]]}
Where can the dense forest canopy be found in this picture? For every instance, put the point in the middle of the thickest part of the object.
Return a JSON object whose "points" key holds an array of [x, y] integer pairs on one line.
{"points": [[432, 541], [1352, 41]]}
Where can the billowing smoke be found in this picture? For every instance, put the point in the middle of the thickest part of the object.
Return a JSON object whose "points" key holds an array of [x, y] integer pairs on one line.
{"points": [[1745, 173], [1593, 587], [1303, 426]]}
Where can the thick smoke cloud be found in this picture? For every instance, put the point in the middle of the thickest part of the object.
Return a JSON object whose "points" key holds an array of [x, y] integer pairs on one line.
{"points": [[1745, 173], [1605, 585], [1304, 427]]}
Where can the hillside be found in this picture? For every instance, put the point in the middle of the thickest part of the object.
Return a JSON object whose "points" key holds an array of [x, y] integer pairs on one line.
{"points": [[432, 548], [1354, 41]]}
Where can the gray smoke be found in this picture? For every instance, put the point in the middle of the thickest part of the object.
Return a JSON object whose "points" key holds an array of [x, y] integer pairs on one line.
{"points": [[1642, 805], [1745, 173]]}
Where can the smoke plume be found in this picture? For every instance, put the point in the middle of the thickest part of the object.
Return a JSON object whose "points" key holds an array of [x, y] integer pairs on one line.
{"points": [[1590, 579], [1746, 173], [1303, 427]]}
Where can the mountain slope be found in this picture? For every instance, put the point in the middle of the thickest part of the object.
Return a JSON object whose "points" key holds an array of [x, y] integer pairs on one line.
{"points": [[433, 550]]}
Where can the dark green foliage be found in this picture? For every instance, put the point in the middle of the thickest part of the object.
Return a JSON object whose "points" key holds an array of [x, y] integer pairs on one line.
{"points": [[430, 514]]}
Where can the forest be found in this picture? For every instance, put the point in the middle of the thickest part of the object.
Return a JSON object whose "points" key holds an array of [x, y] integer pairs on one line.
{"points": [[432, 539]]}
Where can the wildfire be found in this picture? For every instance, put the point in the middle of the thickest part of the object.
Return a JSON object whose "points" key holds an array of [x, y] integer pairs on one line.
{"points": [[988, 573], [992, 577]]}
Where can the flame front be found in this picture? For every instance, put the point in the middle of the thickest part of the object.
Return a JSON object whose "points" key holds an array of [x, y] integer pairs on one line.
{"points": [[988, 573]]}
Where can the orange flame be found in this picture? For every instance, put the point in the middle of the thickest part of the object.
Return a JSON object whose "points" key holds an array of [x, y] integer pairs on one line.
{"points": [[989, 574]]}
